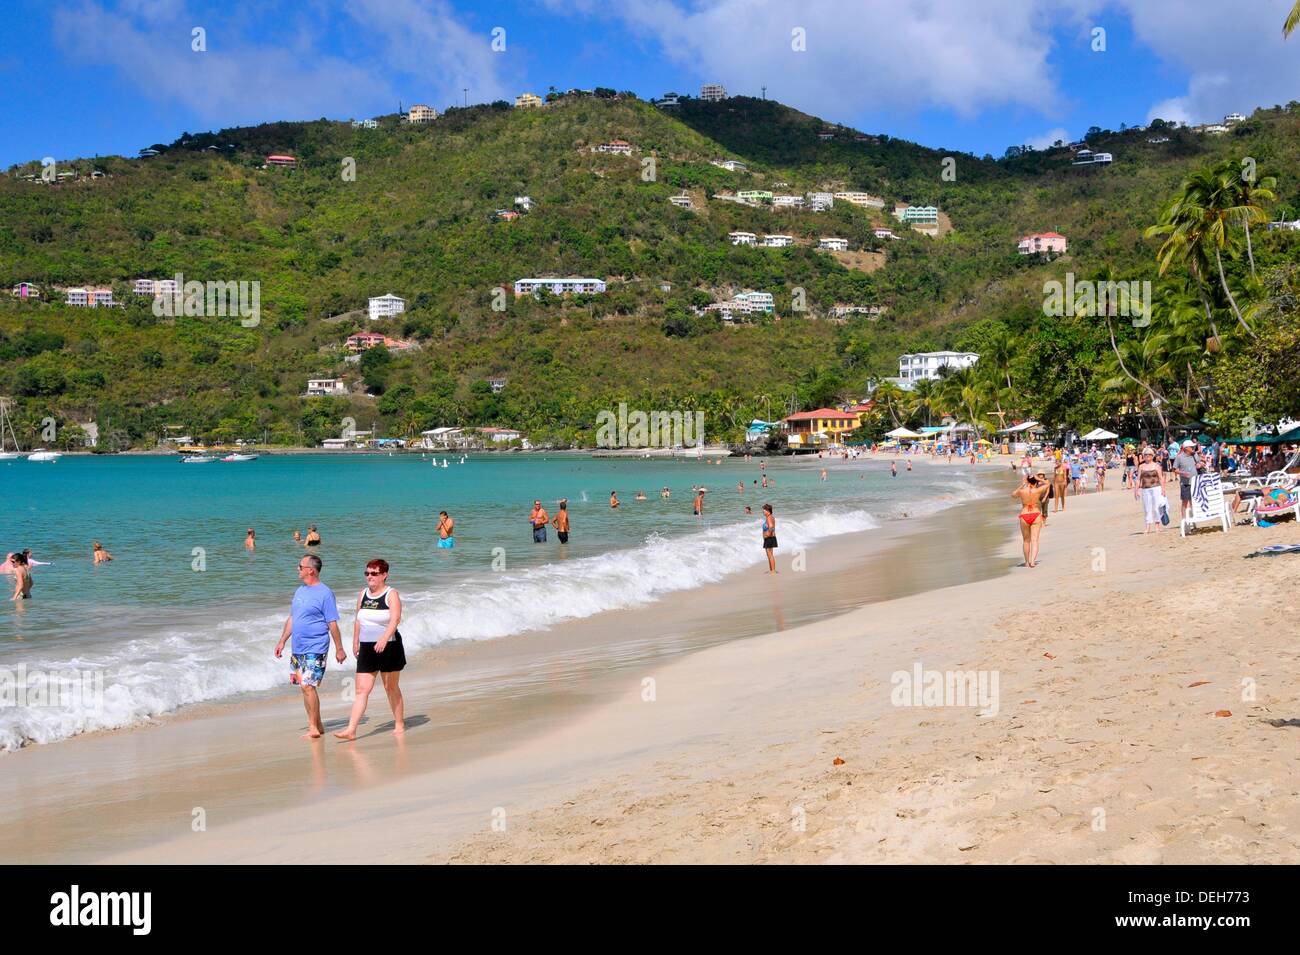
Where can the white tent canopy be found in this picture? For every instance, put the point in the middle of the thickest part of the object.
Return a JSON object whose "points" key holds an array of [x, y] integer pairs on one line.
{"points": [[901, 433], [1017, 428], [1099, 434]]}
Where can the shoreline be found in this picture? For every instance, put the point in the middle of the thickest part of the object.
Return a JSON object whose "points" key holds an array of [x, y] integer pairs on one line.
{"points": [[734, 761], [737, 607]]}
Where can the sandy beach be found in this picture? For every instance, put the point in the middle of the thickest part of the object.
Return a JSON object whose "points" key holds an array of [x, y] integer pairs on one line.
{"points": [[1109, 660]]}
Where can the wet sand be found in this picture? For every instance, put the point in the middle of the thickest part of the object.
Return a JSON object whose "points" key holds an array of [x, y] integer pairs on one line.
{"points": [[92, 797]]}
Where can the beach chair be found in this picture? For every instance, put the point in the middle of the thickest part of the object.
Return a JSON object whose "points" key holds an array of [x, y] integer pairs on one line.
{"points": [[1272, 479], [1208, 505], [1276, 503]]}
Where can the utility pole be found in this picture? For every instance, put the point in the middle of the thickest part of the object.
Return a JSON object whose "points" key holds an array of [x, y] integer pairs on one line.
{"points": [[764, 92], [465, 90]]}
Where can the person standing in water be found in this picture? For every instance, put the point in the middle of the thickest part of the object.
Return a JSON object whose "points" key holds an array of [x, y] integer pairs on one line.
{"points": [[313, 620], [1030, 496], [769, 538], [446, 530], [250, 540], [313, 538], [561, 521], [98, 553], [613, 500], [699, 502], [538, 519], [377, 646], [22, 577], [893, 469]]}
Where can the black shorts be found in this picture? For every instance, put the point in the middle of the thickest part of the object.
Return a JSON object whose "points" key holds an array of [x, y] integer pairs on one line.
{"points": [[392, 660], [1185, 490], [769, 541], [563, 536]]}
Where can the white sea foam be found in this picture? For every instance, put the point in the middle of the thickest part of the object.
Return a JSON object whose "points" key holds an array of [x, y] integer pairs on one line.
{"points": [[201, 662]]}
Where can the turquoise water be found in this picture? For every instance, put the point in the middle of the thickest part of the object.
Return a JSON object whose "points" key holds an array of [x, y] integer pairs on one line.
{"points": [[184, 613]]}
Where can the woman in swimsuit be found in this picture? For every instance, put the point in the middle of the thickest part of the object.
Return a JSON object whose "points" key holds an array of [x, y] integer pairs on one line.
{"points": [[22, 578], [1060, 478], [313, 538], [769, 538], [1030, 495]]}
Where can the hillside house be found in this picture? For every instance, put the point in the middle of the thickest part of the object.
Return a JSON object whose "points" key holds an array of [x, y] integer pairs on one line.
{"points": [[713, 92], [420, 114], [528, 101], [742, 238], [89, 297], [864, 199], [1042, 242], [777, 241], [620, 147], [833, 244], [279, 159], [558, 286], [731, 165], [25, 290], [385, 306], [682, 202], [325, 387]]}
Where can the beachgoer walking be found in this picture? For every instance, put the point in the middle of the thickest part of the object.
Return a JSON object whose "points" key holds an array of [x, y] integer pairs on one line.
{"points": [[377, 646], [538, 519], [98, 553], [1030, 496], [446, 530], [561, 521], [1060, 480], [1186, 463], [1149, 482], [893, 469], [823, 474], [313, 620], [769, 537], [1042, 501]]}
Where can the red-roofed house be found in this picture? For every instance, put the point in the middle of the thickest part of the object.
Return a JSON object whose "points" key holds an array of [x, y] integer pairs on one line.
{"points": [[281, 161], [811, 430], [363, 341], [1042, 242]]}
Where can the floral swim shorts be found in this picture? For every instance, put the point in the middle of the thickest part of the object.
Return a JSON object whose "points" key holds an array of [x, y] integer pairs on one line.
{"points": [[306, 669]]}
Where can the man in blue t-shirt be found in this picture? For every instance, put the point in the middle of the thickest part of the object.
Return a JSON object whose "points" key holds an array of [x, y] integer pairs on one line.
{"points": [[313, 620]]}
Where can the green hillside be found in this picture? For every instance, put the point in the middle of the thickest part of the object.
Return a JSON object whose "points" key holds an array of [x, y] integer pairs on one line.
{"points": [[417, 220]]}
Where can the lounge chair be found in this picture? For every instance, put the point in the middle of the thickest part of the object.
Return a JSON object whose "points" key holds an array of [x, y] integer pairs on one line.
{"points": [[1276, 503], [1208, 505]]}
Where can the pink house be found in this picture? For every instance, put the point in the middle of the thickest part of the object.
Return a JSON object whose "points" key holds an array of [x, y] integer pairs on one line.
{"points": [[1042, 242]]}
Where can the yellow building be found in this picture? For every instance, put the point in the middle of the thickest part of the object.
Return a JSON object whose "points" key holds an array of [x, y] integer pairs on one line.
{"points": [[811, 430], [527, 101]]}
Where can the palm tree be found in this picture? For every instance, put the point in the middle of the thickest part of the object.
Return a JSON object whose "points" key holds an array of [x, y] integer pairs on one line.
{"points": [[892, 397], [1292, 20], [1247, 194], [925, 398], [1201, 216]]}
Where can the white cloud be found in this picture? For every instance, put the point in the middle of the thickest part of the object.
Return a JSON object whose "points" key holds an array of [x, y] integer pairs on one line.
{"points": [[284, 74], [1046, 139], [1234, 56], [885, 55]]}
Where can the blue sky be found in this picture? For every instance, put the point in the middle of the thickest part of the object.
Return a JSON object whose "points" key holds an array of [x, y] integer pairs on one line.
{"points": [[89, 77]]}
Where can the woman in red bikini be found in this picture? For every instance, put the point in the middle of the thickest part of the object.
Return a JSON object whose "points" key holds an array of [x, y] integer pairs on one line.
{"points": [[1030, 495]]}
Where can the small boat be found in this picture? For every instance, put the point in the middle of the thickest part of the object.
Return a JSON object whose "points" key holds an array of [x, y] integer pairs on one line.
{"points": [[444, 462], [6, 425], [197, 459], [40, 454], [240, 457]]}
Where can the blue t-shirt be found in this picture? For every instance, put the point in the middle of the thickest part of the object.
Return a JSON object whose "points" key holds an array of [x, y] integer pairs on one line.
{"points": [[1076, 469], [313, 611]]}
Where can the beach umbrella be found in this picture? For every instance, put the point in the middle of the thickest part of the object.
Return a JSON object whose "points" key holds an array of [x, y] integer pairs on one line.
{"points": [[902, 433], [1099, 434]]}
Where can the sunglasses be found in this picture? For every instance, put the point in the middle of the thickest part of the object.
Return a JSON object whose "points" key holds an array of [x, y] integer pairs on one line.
{"points": [[374, 573]]}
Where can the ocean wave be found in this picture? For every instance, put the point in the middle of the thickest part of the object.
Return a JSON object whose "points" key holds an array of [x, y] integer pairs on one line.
{"points": [[149, 676]]}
